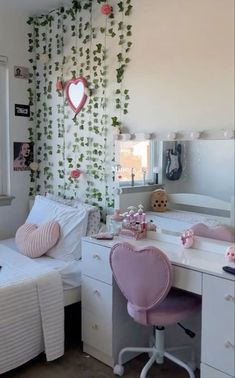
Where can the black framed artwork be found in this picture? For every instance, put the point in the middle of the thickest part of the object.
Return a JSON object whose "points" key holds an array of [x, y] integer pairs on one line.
{"points": [[22, 110]]}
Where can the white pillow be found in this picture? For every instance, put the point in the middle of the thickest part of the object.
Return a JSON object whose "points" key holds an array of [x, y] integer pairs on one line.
{"points": [[93, 224], [72, 221]]}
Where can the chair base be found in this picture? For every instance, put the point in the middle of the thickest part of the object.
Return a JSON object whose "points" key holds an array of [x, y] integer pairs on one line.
{"points": [[157, 354]]}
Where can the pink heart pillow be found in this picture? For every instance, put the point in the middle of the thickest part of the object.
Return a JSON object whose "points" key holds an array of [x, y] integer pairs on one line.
{"points": [[219, 232], [33, 241]]}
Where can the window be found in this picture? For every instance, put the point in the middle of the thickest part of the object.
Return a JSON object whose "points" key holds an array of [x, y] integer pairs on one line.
{"points": [[3, 129], [134, 157]]}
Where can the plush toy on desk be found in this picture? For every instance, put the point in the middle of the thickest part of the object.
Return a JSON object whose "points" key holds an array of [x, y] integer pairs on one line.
{"points": [[159, 200], [187, 238], [230, 254]]}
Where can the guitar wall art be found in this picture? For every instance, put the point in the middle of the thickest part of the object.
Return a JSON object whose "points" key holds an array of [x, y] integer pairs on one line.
{"points": [[173, 163]]}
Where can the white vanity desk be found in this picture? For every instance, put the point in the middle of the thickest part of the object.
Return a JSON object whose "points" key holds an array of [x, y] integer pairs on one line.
{"points": [[106, 326]]}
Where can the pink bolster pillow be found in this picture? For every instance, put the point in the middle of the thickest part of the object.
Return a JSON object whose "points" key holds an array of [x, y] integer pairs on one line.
{"points": [[219, 232], [33, 241]]}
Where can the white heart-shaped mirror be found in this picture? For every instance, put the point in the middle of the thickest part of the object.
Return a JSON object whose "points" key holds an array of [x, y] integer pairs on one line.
{"points": [[75, 92]]}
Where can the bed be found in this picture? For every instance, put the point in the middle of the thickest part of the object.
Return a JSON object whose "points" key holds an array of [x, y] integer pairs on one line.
{"points": [[185, 210], [33, 292], [70, 272]]}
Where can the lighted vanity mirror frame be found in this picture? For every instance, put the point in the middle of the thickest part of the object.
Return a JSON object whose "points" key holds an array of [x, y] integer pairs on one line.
{"points": [[76, 93]]}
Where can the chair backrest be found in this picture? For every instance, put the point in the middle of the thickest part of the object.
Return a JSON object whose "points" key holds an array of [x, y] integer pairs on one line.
{"points": [[144, 276]]}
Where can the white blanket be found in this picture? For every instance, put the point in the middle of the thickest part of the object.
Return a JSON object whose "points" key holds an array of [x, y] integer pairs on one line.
{"points": [[31, 310]]}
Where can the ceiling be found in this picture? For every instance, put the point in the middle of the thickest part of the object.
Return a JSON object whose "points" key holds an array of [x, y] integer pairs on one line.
{"points": [[33, 7]]}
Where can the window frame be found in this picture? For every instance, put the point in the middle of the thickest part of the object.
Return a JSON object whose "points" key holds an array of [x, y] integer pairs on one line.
{"points": [[152, 159], [5, 198]]}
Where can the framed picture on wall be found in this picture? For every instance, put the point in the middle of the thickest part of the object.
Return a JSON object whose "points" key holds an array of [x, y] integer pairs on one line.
{"points": [[21, 72], [22, 110], [23, 156]]}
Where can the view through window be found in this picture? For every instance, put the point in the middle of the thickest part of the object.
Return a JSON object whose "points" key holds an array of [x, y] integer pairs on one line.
{"points": [[3, 125], [134, 157]]}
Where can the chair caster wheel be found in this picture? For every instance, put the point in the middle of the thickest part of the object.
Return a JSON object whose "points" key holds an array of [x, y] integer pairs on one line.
{"points": [[118, 370]]}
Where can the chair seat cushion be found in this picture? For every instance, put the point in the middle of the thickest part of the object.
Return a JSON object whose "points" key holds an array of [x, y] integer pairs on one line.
{"points": [[176, 307]]}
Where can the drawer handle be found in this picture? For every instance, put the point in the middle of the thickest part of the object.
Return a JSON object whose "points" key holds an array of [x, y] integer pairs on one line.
{"points": [[95, 327], [97, 257], [228, 344], [229, 297], [96, 292]]}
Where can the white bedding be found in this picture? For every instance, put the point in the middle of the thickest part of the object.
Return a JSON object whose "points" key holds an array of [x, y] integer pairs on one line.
{"points": [[70, 271], [178, 220], [31, 310]]}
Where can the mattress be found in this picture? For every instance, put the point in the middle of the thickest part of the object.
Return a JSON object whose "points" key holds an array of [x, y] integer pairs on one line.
{"points": [[70, 270], [178, 220]]}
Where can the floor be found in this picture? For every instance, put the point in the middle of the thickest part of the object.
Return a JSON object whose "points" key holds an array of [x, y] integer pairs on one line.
{"points": [[76, 364]]}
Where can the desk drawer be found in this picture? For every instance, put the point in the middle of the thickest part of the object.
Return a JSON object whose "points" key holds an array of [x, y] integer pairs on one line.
{"points": [[96, 332], [97, 298], [209, 372], [218, 314], [95, 262], [187, 279]]}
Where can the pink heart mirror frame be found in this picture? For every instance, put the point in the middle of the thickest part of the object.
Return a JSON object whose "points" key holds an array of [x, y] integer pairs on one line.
{"points": [[75, 93]]}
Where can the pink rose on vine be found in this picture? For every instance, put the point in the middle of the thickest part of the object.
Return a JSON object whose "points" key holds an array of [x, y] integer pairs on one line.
{"points": [[75, 173], [106, 9]]}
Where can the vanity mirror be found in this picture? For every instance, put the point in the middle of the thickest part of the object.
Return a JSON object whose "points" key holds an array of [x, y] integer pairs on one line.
{"points": [[207, 167], [203, 192]]}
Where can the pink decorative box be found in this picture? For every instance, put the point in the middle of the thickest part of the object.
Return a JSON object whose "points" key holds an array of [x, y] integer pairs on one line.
{"points": [[133, 233]]}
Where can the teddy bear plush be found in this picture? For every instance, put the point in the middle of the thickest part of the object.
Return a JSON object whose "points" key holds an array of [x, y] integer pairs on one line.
{"points": [[159, 200]]}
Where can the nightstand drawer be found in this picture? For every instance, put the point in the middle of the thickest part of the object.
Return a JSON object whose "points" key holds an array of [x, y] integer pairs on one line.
{"points": [[218, 314], [95, 262], [187, 279], [97, 332], [97, 298]]}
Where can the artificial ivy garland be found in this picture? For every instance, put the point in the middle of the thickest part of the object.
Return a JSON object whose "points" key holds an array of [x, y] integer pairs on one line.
{"points": [[76, 44]]}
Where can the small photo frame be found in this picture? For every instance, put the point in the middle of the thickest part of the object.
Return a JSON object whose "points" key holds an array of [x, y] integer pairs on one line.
{"points": [[22, 110], [23, 156], [21, 72]]}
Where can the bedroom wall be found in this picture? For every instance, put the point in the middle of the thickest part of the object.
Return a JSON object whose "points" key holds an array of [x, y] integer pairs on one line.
{"points": [[180, 77], [13, 44], [181, 74]]}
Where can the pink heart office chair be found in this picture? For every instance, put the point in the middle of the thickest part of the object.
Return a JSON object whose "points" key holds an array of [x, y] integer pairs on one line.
{"points": [[145, 278]]}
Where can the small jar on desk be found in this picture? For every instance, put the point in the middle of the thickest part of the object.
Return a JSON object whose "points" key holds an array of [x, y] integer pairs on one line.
{"points": [[115, 224]]}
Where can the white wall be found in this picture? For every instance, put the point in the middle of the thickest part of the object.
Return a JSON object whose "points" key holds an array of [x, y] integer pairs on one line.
{"points": [[13, 44], [182, 71]]}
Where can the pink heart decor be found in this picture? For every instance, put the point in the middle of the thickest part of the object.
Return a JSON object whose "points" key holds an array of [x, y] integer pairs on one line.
{"points": [[218, 232], [33, 241], [75, 93]]}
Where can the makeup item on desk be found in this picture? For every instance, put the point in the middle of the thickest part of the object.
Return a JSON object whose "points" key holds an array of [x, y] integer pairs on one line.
{"points": [[103, 236], [116, 222], [151, 226], [140, 215]]}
